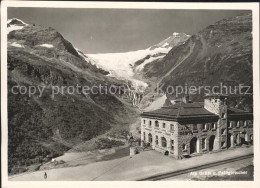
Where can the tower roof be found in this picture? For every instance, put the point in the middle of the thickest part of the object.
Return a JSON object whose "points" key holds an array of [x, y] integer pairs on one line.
{"points": [[216, 95]]}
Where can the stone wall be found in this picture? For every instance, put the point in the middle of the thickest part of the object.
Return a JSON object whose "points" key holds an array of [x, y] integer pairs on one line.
{"points": [[218, 107], [198, 136], [163, 130], [240, 133], [186, 134]]}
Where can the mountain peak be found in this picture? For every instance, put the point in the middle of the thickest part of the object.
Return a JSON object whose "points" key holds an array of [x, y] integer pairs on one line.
{"points": [[173, 40], [15, 24], [15, 21]]}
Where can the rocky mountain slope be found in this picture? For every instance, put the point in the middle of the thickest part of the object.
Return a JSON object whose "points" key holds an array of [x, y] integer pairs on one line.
{"points": [[41, 127], [220, 53]]}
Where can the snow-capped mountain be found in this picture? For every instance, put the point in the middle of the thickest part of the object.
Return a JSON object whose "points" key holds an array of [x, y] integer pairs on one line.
{"points": [[172, 41], [15, 24], [123, 65], [39, 56]]}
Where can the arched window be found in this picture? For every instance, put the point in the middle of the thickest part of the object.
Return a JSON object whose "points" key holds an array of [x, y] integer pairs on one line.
{"points": [[235, 139], [164, 142], [172, 127], [184, 146], [156, 123], [164, 125], [215, 125], [150, 138], [172, 144], [205, 126], [156, 140], [204, 145], [209, 126]]}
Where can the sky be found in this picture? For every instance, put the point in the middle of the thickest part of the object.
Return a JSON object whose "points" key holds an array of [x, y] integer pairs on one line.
{"points": [[119, 30]]}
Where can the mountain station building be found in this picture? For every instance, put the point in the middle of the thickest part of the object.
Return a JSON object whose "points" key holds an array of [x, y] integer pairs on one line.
{"points": [[189, 128]]}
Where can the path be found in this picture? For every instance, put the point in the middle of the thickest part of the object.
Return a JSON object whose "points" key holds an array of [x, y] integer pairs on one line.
{"points": [[143, 165]]}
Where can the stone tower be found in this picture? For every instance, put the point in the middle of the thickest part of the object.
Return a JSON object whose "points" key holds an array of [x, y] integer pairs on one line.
{"points": [[216, 103]]}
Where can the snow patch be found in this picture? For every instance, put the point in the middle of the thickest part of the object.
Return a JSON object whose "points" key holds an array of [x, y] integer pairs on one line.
{"points": [[47, 45], [141, 66], [10, 20], [165, 44], [120, 64], [175, 34], [14, 27], [17, 45]]}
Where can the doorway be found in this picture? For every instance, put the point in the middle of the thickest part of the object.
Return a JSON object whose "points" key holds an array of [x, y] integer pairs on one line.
{"points": [[193, 145], [211, 142]]}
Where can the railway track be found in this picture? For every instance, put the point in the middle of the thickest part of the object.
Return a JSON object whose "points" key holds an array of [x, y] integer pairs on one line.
{"points": [[188, 170]]}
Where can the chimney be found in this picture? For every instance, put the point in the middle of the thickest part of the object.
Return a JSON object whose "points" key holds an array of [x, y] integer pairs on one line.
{"points": [[186, 98]]}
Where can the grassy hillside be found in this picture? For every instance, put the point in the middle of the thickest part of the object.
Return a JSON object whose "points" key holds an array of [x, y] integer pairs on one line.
{"points": [[40, 128]]}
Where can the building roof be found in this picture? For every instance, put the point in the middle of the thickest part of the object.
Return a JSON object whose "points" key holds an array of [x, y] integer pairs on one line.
{"points": [[237, 113], [182, 111]]}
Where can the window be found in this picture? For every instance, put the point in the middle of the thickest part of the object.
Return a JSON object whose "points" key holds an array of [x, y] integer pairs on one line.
{"points": [[223, 115], [184, 146], [230, 124], [144, 121], [144, 136], [238, 124], [172, 144], [235, 139], [194, 126], [205, 126], [209, 126], [250, 123], [223, 131], [164, 143], [163, 125], [245, 123], [214, 125], [150, 123], [204, 145], [156, 123], [156, 140], [172, 127], [150, 138]]}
